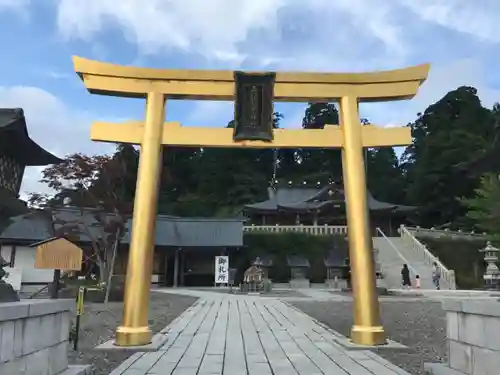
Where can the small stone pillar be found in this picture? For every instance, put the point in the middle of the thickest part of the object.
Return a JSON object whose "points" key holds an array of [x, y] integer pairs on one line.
{"points": [[492, 275]]}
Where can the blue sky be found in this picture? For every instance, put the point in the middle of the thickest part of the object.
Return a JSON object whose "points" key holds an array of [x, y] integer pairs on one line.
{"points": [[458, 37]]}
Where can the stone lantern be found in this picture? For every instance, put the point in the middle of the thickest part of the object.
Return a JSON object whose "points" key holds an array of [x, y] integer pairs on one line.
{"points": [[492, 275]]}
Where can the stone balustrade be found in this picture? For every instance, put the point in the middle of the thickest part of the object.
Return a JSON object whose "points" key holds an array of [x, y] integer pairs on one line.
{"points": [[34, 338], [315, 230], [440, 233], [473, 338]]}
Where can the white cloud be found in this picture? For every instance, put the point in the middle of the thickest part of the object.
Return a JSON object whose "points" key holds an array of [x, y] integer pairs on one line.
{"points": [[293, 119], [322, 35], [14, 4], [442, 79], [231, 31], [216, 27], [210, 113], [18, 7], [476, 18], [54, 126]]}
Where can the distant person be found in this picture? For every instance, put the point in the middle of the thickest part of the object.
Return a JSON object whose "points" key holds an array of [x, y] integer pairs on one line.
{"points": [[436, 276], [405, 274], [417, 281]]}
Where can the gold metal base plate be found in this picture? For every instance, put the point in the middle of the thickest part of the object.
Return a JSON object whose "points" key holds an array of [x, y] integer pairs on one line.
{"points": [[133, 336], [366, 335]]}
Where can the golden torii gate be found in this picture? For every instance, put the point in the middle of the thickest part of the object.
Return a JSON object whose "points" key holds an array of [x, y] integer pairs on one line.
{"points": [[157, 85]]}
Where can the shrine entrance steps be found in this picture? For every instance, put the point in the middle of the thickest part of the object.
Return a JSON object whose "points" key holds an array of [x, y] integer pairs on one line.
{"points": [[392, 254]]}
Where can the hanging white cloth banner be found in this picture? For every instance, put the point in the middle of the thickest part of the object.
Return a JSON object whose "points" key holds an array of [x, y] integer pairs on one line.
{"points": [[221, 269]]}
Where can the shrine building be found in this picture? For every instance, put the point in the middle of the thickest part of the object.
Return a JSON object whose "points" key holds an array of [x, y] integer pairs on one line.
{"points": [[319, 206]]}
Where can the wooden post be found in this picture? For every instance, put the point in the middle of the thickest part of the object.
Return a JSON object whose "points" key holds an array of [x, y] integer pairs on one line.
{"points": [[176, 268], [54, 290]]}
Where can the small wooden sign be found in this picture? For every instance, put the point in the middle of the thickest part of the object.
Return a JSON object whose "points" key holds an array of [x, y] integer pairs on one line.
{"points": [[59, 254]]}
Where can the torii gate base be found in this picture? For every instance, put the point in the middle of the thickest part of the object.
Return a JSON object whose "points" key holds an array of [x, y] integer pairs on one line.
{"points": [[156, 85]]}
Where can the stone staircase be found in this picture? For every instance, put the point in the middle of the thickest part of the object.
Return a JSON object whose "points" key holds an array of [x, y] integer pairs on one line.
{"points": [[392, 256], [390, 263], [393, 252]]}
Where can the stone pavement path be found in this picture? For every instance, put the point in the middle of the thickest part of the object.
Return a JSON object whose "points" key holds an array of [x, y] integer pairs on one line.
{"points": [[235, 335]]}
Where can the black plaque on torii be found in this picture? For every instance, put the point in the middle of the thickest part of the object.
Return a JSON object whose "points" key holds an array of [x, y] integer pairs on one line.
{"points": [[253, 106]]}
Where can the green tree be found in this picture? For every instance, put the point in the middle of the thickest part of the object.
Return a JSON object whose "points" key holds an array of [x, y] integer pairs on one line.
{"points": [[448, 133], [487, 159], [95, 188], [384, 175], [180, 176], [483, 209], [318, 164], [217, 181]]}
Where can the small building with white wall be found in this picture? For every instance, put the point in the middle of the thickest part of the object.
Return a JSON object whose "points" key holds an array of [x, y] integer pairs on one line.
{"points": [[15, 242], [185, 248]]}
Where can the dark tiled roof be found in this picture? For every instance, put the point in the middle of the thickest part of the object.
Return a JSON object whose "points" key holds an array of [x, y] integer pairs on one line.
{"points": [[284, 197], [196, 232], [15, 141], [305, 206], [37, 225], [304, 199], [297, 261], [170, 231], [29, 227], [337, 258], [82, 221]]}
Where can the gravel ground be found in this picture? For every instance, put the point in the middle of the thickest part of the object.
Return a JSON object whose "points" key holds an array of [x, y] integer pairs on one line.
{"points": [[420, 325], [98, 325]]}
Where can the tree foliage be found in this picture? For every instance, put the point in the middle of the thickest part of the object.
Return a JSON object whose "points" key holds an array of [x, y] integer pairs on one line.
{"points": [[384, 175], [484, 207], [92, 200], [449, 132], [317, 163]]}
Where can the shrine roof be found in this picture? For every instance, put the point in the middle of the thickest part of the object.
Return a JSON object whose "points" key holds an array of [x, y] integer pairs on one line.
{"points": [[16, 142], [337, 257], [30, 227], [297, 261], [305, 199], [196, 232], [170, 230]]}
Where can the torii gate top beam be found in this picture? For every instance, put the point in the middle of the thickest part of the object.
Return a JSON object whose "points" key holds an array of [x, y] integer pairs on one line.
{"points": [[116, 80]]}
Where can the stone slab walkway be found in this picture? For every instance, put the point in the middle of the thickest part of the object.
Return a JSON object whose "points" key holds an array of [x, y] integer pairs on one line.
{"points": [[244, 335]]}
